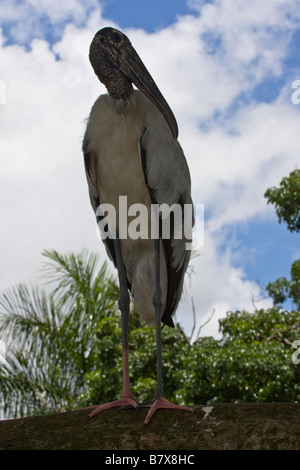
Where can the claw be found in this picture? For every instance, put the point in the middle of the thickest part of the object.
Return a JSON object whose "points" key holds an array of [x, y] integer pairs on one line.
{"points": [[163, 403], [123, 401]]}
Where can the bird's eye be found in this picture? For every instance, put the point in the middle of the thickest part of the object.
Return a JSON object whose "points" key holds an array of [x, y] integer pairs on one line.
{"points": [[116, 37], [101, 39]]}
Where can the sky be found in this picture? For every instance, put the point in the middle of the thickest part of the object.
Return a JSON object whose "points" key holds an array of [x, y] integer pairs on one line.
{"points": [[226, 67]]}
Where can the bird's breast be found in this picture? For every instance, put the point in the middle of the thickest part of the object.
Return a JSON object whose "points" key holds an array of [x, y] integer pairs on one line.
{"points": [[115, 138]]}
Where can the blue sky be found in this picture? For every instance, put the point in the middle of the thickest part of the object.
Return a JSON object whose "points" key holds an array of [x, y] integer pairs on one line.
{"points": [[226, 68], [150, 16]]}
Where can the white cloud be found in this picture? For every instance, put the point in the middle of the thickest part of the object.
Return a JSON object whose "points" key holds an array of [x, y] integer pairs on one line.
{"points": [[255, 34], [28, 19], [44, 200], [70, 10], [217, 287], [234, 169]]}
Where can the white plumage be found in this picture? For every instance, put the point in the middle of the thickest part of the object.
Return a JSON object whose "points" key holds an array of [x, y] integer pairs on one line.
{"points": [[113, 138]]}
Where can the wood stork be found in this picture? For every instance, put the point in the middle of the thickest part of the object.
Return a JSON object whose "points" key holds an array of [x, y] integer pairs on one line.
{"points": [[130, 149]]}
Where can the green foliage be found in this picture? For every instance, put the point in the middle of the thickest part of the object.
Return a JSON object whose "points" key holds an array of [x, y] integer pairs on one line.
{"points": [[286, 199], [249, 363], [50, 339], [282, 289], [64, 348], [294, 287]]}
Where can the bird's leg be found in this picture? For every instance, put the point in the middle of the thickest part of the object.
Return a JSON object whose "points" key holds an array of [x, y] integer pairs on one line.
{"points": [[160, 402], [127, 397], [157, 303]]}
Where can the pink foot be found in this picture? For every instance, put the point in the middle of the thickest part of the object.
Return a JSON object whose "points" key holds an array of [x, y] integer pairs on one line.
{"points": [[163, 403], [125, 400]]}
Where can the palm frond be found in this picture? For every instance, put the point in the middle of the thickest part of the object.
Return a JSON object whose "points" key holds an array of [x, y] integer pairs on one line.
{"points": [[26, 314], [80, 280], [51, 339]]}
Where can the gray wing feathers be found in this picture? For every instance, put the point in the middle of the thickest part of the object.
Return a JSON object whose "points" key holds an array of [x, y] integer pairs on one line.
{"points": [[90, 164], [168, 179], [91, 174]]}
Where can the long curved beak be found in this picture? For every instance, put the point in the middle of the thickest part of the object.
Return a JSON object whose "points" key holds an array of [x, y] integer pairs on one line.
{"points": [[134, 69]]}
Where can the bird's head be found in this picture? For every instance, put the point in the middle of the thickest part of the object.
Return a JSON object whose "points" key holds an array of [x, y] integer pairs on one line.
{"points": [[117, 65]]}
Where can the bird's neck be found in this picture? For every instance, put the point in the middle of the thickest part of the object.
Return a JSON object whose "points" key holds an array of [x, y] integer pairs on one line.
{"points": [[117, 84], [119, 87]]}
